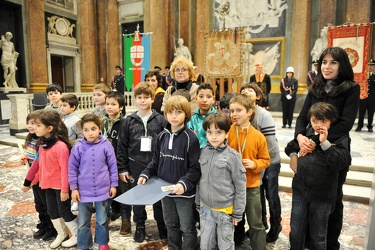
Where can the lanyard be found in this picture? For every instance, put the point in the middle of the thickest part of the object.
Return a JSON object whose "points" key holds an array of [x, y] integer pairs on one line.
{"points": [[240, 150]]}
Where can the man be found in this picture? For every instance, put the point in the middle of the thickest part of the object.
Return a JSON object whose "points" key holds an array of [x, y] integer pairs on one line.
{"points": [[118, 80], [367, 101], [312, 74], [264, 82]]}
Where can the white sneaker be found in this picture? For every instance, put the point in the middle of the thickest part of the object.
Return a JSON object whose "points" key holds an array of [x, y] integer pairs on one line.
{"points": [[74, 207]]}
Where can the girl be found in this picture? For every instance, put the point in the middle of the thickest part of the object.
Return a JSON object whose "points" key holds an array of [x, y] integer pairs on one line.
{"points": [[288, 88], [53, 174], [46, 231], [93, 178]]}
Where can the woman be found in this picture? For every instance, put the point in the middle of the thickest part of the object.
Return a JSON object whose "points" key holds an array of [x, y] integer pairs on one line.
{"points": [[153, 77], [182, 73], [288, 88], [334, 84]]}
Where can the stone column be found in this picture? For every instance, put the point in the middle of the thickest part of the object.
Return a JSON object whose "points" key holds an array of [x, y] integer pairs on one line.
{"points": [[202, 23], [102, 28], [114, 39], [37, 46], [88, 35], [301, 42], [184, 24], [20, 107]]}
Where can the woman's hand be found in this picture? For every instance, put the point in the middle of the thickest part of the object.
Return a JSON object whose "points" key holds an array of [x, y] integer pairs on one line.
{"points": [[305, 144]]}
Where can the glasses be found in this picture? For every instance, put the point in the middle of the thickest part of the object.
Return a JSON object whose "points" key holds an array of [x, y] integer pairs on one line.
{"points": [[182, 70]]}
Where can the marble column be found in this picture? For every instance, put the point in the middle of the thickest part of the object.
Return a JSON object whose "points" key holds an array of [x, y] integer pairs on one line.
{"points": [[184, 24], [37, 46], [202, 24], [114, 39], [88, 34], [362, 10], [102, 28], [300, 42]]}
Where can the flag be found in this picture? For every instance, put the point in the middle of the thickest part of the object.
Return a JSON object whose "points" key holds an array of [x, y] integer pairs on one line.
{"points": [[136, 58]]}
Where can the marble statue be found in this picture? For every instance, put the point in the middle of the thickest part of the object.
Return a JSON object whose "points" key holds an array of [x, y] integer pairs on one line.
{"points": [[182, 50], [8, 61], [320, 44]]}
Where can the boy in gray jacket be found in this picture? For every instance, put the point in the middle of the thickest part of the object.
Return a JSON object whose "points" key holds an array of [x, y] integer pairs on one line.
{"points": [[221, 193]]}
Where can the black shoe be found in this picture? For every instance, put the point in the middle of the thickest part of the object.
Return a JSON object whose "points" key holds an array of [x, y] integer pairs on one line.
{"points": [[140, 234], [358, 129], [290, 126], [115, 216], [163, 232], [370, 130], [39, 234], [273, 234], [283, 126], [50, 234]]}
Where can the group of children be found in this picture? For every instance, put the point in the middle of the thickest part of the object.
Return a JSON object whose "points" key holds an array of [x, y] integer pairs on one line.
{"points": [[216, 159]]}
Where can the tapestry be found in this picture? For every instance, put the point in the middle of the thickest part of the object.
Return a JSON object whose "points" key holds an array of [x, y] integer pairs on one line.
{"points": [[137, 51], [223, 53], [355, 40]]}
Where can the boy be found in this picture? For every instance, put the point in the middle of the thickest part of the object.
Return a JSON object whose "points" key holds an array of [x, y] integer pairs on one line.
{"points": [[264, 122], [100, 91], [205, 99], [314, 184], [224, 103], [112, 123], [183, 92], [221, 192], [70, 118], [252, 146], [134, 152], [176, 160], [54, 93]]}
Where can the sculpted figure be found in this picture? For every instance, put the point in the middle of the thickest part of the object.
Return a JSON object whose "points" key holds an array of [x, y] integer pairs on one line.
{"points": [[8, 60], [320, 44], [182, 50]]}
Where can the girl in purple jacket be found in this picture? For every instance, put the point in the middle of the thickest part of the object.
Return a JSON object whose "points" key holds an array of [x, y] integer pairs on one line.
{"points": [[93, 178]]}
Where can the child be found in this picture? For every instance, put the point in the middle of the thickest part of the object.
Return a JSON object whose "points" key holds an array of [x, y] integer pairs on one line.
{"points": [[264, 122], [135, 146], [252, 146], [112, 124], [315, 181], [224, 103], [205, 99], [100, 91], [46, 231], [92, 181], [70, 118], [53, 175], [221, 192], [54, 93], [176, 160]]}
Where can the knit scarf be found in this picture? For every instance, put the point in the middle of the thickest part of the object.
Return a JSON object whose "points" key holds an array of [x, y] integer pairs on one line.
{"points": [[47, 142]]}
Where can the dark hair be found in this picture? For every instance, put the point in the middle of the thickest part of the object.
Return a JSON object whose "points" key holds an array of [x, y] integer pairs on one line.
{"points": [[54, 87], [183, 92], [225, 99], [157, 67], [91, 118], [118, 67], [323, 110], [220, 120], [258, 91], [71, 99], [117, 96], [52, 118], [345, 77], [205, 85], [33, 115], [154, 72]]}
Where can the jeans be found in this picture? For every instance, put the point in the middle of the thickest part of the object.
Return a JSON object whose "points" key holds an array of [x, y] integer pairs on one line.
{"points": [[178, 217], [217, 229], [309, 213], [84, 223]]}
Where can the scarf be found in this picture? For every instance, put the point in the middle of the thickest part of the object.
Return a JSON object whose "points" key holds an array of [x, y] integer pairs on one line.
{"points": [[47, 142]]}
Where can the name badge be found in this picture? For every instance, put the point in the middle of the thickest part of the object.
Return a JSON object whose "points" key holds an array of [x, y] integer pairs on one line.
{"points": [[146, 143]]}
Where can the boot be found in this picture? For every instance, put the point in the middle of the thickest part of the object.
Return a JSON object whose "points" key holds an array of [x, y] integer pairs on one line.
{"points": [[126, 227], [140, 233], [42, 227], [50, 233], [73, 227], [59, 225], [273, 234]]}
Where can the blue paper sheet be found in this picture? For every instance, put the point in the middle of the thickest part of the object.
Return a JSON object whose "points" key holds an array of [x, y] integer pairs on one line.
{"points": [[146, 194]]}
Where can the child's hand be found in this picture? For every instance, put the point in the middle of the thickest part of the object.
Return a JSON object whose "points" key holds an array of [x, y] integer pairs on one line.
{"points": [[323, 133], [64, 196], [112, 192], [235, 222], [127, 178], [247, 163], [293, 163], [179, 189], [23, 161], [25, 188], [75, 196], [141, 180]]}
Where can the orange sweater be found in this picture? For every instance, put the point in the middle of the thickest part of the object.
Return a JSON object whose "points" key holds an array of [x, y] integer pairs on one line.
{"points": [[255, 150]]}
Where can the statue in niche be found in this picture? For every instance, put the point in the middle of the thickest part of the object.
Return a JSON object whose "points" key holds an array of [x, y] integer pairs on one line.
{"points": [[182, 50], [320, 44], [70, 30], [51, 24], [9, 60]]}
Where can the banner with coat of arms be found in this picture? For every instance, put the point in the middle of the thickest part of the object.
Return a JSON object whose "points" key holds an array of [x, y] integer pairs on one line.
{"points": [[137, 51], [355, 40]]}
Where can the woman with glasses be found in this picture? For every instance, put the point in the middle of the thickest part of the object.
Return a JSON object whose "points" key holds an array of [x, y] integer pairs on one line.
{"points": [[153, 77], [182, 73]]}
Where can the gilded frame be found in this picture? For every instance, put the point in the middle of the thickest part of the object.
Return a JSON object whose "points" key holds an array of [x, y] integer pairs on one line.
{"points": [[271, 53]]}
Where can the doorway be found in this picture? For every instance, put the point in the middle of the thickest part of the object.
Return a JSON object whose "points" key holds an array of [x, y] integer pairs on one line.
{"points": [[62, 72]]}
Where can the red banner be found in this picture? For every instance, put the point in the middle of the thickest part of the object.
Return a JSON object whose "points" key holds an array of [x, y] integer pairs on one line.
{"points": [[355, 40]]}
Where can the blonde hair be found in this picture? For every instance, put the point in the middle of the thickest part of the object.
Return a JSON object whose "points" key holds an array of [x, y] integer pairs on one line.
{"points": [[144, 88], [186, 62], [102, 87], [178, 102]]}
